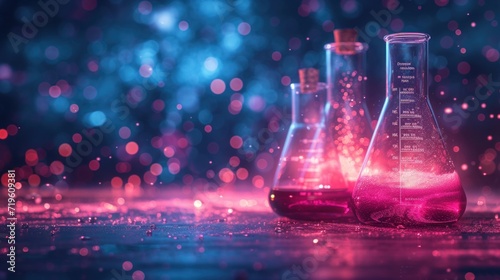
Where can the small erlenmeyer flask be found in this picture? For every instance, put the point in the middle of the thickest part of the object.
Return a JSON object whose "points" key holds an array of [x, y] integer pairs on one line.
{"points": [[308, 183], [348, 120], [407, 177]]}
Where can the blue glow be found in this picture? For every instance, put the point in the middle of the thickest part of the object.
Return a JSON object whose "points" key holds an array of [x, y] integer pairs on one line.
{"points": [[164, 20], [60, 104], [231, 42], [96, 118], [188, 98], [205, 116]]}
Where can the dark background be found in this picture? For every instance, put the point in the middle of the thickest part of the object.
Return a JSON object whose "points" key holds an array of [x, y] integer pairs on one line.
{"points": [[145, 68]]}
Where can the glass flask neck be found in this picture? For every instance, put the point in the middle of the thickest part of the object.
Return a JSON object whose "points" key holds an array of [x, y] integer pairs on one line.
{"points": [[345, 67], [406, 55], [308, 106]]}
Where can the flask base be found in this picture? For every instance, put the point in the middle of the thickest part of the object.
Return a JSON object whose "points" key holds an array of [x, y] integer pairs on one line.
{"points": [[311, 204], [430, 209]]}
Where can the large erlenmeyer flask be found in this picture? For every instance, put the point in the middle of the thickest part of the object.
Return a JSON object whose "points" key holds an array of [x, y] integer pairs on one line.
{"points": [[348, 120], [407, 177], [308, 183]]}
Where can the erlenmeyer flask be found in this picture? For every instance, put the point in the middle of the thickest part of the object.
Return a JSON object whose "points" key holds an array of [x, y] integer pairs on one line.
{"points": [[348, 120], [407, 177], [308, 183]]}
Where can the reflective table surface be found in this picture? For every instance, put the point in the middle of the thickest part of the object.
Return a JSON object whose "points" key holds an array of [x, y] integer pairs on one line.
{"points": [[230, 234]]}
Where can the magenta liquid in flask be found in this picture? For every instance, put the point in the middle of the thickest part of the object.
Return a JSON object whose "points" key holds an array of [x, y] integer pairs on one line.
{"points": [[308, 183], [407, 178]]}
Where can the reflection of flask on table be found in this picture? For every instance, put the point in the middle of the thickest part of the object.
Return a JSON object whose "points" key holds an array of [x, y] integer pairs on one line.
{"points": [[308, 183], [348, 120], [408, 177]]}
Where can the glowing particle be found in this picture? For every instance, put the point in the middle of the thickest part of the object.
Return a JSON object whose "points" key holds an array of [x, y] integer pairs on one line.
{"points": [[120, 201], [174, 167], [285, 80], [211, 64], [183, 25], [168, 151], [54, 91], [242, 173], [132, 148], [127, 266], [315, 240], [234, 161], [463, 67], [244, 28], [65, 150], [77, 138], [156, 169], [56, 167], [31, 157], [218, 86], [34, 180], [73, 108], [146, 70], [116, 182], [236, 142], [258, 181], [226, 175], [3, 134], [12, 129], [236, 84], [94, 165], [83, 251], [145, 7], [197, 203], [276, 56], [138, 275], [124, 132]]}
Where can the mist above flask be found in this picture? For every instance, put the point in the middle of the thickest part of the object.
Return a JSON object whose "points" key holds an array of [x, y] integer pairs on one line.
{"points": [[308, 183], [407, 177]]}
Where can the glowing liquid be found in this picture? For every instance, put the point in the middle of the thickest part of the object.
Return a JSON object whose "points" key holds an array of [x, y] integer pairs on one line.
{"points": [[439, 200], [310, 204]]}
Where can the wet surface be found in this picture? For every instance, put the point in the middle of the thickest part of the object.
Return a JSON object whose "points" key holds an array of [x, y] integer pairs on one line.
{"points": [[105, 235]]}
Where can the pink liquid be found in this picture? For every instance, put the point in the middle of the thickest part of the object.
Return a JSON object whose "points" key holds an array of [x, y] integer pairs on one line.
{"points": [[311, 204], [441, 203]]}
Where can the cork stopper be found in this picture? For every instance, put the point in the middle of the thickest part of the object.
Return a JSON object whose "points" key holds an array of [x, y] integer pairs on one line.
{"points": [[309, 78], [345, 36]]}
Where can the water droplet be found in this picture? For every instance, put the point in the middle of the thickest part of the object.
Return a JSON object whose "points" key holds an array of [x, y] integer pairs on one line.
{"points": [[278, 229], [85, 238], [92, 220]]}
